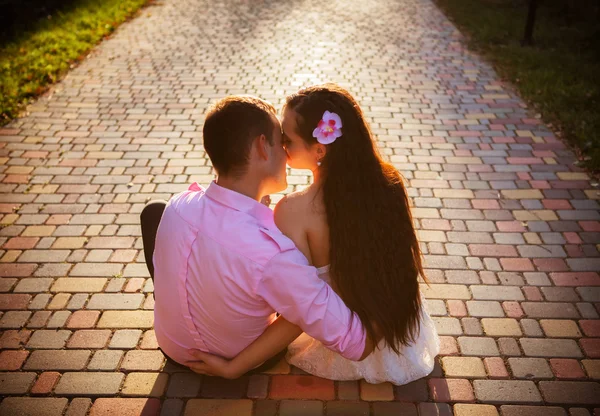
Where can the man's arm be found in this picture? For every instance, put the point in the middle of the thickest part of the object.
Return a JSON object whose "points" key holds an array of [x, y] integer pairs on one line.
{"points": [[291, 287], [275, 339]]}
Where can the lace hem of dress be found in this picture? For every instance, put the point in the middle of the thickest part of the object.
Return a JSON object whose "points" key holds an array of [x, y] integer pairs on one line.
{"points": [[415, 361]]}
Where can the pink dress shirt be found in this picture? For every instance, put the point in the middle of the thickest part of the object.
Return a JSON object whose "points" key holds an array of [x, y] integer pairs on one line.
{"points": [[222, 269]]}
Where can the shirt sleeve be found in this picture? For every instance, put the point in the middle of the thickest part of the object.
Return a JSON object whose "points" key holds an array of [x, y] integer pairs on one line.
{"points": [[292, 287]]}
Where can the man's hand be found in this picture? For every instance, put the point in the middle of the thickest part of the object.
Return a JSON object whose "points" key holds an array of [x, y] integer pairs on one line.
{"points": [[212, 365], [266, 200]]}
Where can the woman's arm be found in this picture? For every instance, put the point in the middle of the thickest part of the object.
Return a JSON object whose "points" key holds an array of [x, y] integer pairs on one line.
{"points": [[276, 337]]}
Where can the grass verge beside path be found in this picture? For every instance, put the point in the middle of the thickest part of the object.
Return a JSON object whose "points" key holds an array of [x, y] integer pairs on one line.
{"points": [[32, 60], [559, 74]]}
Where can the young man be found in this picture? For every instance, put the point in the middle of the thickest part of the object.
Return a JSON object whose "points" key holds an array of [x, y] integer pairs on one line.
{"points": [[222, 268]]}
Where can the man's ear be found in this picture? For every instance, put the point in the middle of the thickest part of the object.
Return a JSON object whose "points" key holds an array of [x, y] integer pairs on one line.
{"points": [[262, 145]]}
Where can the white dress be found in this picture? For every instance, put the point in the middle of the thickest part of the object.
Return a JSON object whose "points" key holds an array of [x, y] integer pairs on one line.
{"points": [[415, 361]]}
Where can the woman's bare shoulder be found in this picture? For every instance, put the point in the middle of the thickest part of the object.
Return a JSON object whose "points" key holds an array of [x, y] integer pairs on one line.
{"points": [[291, 208]]}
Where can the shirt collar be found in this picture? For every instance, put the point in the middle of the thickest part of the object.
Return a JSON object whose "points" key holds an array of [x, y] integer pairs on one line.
{"points": [[241, 203]]}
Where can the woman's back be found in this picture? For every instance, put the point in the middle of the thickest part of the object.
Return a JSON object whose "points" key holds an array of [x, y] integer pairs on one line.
{"points": [[301, 216]]}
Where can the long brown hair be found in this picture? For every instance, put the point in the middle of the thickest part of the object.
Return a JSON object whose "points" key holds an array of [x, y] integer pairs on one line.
{"points": [[374, 252]]}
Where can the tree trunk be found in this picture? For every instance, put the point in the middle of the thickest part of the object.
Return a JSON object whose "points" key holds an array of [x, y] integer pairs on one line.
{"points": [[528, 37]]}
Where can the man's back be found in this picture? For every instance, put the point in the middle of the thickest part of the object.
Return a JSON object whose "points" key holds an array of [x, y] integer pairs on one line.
{"points": [[211, 249], [222, 268]]}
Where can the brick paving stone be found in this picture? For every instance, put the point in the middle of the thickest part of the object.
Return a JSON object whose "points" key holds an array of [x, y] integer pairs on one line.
{"points": [[592, 368], [347, 409], [14, 319], [258, 387], [125, 338], [105, 360], [447, 326], [14, 302], [89, 338], [537, 347], [513, 410], [445, 291], [590, 347], [174, 407], [348, 390], [491, 309], [126, 319], [59, 301], [77, 285], [513, 309], [184, 385], [33, 406], [531, 328], [145, 384], [434, 409], [219, 407], [566, 368], [376, 392], [89, 384], [83, 319], [125, 407], [416, 391], [451, 390], [571, 392], [495, 367], [591, 328], [530, 368], [560, 294], [478, 346], [33, 285], [506, 391], [436, 307], [481, 292], [463, 409], [509, 347], [559, 328], [58, 319], [149, 341], [79, 407], [576, 279], [12, 360], [577, 411], [14, 339], [115, 301], [467, 367], [390, 409], [498, 327], [550, 310], [301, 387], [45, 383], [57, 360], [15, 383], [300, 408], [48, 339], [142, 360], [215, 387]]}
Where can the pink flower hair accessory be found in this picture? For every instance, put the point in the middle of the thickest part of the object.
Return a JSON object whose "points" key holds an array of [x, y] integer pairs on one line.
{"points": [[328, 129]]}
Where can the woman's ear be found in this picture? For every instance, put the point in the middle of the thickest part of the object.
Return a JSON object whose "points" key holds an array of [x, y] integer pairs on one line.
{"points": [[321, 150]]}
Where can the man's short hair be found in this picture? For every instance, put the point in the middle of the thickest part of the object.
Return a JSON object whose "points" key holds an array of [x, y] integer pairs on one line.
{"points": [[229, 129]]}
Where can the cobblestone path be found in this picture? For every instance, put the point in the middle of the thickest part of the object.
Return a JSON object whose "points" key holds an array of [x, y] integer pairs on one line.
{"points": [[509, 226]]}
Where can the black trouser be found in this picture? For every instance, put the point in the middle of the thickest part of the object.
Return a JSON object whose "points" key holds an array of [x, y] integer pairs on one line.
{"points": [[150, 219]]}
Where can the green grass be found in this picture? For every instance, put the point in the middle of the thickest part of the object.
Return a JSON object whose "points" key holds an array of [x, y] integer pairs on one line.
{"points": [[32, 60], [559, 74]]}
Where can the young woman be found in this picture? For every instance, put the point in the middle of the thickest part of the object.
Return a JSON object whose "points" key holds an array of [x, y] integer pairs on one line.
{"points": [[354, 224]]}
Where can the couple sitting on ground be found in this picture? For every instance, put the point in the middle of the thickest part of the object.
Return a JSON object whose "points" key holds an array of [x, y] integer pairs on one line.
{"points": [[329, 279]]}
